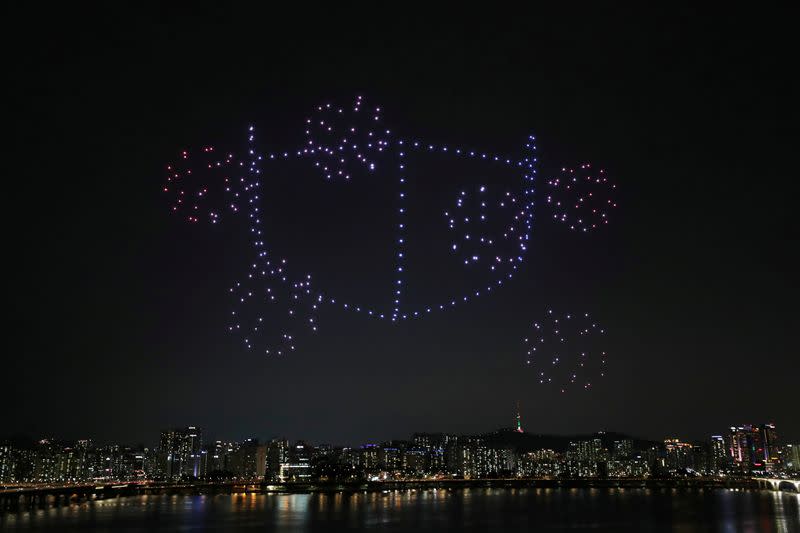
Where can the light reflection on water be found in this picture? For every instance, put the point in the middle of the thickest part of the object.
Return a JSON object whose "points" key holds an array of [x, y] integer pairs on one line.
{"points": [[431, 509]]}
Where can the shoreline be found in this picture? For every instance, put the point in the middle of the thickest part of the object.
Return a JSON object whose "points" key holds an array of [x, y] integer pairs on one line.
{"points": [[17, 498]]}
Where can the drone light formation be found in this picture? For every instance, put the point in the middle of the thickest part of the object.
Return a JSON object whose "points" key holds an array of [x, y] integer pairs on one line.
{"points": [[581, 198], [565, 350], [489, 225], [490, 230], [199, 184]]}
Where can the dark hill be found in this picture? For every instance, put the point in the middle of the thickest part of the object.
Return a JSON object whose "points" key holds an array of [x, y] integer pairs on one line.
{"points": [[527, 442]]}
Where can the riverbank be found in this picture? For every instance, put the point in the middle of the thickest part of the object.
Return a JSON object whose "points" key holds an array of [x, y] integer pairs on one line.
{"points": [[12, 498]]}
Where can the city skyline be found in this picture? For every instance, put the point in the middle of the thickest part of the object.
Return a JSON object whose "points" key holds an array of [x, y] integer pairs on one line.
{"points": [[516, 426], [183, 454]]}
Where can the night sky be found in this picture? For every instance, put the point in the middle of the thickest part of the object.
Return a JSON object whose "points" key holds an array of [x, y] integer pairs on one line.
{"points": [[117, 312]]}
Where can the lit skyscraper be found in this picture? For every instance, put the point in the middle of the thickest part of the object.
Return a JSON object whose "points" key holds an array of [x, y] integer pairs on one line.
{"points": [[792, 458], [277, 456], [719, 455], [740, 448], [180, 452], [769, 439], [590, 451], [679, 454], [6, 464], [623, 449], [754, 447]]}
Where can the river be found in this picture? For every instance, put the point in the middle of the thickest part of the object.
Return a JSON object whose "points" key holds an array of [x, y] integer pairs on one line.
{"points": [[467, 509]]}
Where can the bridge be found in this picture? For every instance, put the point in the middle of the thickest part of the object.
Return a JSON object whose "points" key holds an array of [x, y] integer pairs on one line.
{"points": [[21, 497], [790, 485]]}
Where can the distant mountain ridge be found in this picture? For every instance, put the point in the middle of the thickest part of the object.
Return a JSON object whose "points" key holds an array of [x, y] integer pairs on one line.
{"points": [[528, 442]]}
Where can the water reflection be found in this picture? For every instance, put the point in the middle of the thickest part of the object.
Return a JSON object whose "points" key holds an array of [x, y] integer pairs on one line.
{"points": [[431, 509]]}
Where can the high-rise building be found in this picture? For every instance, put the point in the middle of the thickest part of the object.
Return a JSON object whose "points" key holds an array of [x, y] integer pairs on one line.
{"points": [[277, 455], [586, 458], [390, 458], [591, 451], [44, 462], [152, 465], [679, 455], [540, 463], [626, 468], [459, 458], [792, 457], [438, 460], [470, 457], [754, 447], [740, 446], [22, 460], [416, 460], [193, 445], [350, 459], [299, 466], [243, 461], [623, 449], [720, 459], [322, 450], [369, 457], [169, 456], [6, 464], [261, 461], [769, 439], [180, 452], [506, 462], [702, 459], [435, 444], [220, 458]]}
